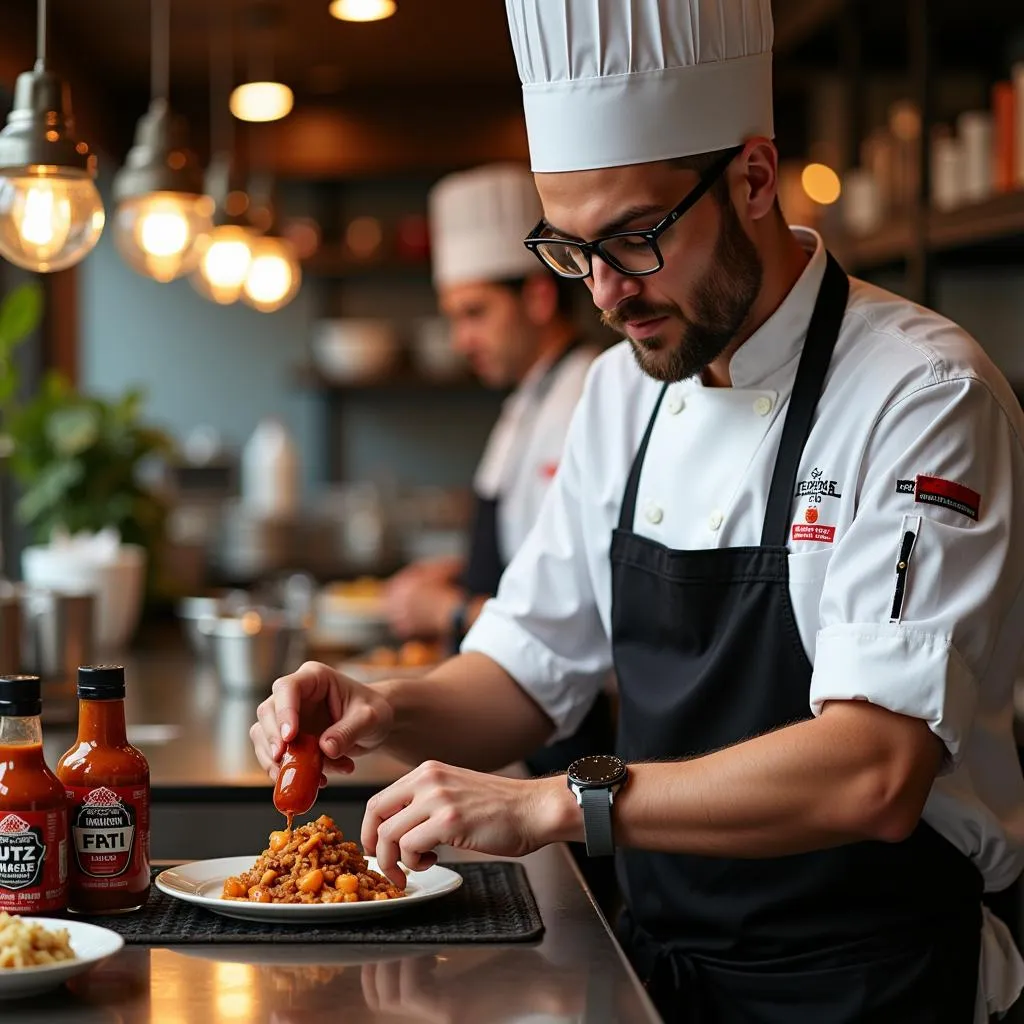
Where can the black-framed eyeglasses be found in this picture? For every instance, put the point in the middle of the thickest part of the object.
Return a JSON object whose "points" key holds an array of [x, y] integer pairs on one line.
{"points": [[634, 253]]}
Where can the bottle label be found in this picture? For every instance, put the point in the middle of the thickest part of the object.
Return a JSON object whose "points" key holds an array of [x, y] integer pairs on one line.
{"points": [[33, 861], [110, 833]]}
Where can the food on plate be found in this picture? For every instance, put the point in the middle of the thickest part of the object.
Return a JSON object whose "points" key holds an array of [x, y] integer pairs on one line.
{"points": [[310, 864], [27, 944], [365, 588], [412, 654], [299, 778]]}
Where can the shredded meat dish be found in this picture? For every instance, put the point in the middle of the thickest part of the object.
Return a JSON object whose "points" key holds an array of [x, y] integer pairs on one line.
{"points": [[310, 864]]}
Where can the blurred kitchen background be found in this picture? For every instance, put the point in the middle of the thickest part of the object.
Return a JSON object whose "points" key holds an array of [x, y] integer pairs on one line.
{"points": [[331, 431]]}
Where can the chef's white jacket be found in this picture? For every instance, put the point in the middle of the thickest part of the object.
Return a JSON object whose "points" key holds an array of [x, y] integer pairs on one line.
{"points": [[915, 432], [525, 445]]}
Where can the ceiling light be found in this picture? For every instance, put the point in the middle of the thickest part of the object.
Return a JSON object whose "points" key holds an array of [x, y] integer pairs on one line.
{"points": [[261, 101], [162, 215], [362, 10], [821, 183], [274, 274], [51, 214]]}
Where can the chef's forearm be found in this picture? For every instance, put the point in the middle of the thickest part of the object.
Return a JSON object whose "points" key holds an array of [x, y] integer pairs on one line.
{"points": [[468, 712], [857, 772]]}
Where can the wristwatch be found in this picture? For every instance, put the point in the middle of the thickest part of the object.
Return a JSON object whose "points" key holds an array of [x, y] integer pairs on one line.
{"points": [[594, 781]]}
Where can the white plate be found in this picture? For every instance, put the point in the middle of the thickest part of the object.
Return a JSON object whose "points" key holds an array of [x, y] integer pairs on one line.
{"points": [[202, 882], [90, 943]]}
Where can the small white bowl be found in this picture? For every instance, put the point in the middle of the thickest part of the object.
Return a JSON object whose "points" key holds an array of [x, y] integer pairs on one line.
{"points": [[91, 944], [352, 349]]}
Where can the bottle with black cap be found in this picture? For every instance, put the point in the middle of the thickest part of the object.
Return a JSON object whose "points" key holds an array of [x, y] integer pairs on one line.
{"points": [[107, 785], [33, 807]]}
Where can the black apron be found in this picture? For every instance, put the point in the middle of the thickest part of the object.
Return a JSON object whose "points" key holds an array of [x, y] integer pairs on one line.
{"points": [[708, 654]]}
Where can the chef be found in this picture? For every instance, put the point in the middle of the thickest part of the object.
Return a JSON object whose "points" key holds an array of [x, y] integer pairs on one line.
{"points": [[790, 512], [510, 317]]}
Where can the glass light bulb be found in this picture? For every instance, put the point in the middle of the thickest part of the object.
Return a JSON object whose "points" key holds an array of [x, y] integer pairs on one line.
{"points": [[261, 101], [50, 217], [362, 10], [274, 274], [224, 264], [162, 234]]}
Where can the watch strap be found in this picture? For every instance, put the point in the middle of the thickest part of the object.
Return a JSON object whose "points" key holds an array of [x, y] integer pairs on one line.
{"points": [[597, 822]]}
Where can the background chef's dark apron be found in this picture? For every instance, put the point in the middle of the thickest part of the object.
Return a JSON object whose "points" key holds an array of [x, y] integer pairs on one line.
{"points": [[596, 734], [708, 654]]}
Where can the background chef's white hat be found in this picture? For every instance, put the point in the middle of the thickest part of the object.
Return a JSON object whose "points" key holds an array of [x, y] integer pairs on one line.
{"points": [[613, 82], [478, 220]]}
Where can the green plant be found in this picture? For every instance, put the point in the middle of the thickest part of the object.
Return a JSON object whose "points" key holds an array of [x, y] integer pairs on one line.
{"points": [[76, 457], [20, 314]]}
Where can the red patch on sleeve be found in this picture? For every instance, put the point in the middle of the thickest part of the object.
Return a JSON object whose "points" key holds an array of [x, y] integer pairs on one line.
{"points": [[933, 490], [548, 470]]}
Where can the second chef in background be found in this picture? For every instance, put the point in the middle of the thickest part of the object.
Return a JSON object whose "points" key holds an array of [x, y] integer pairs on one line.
{"points": [[513, 325]]}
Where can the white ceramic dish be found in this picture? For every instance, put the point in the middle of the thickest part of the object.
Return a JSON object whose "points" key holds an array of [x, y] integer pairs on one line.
{"points": [[202, 881], [90, 943]]}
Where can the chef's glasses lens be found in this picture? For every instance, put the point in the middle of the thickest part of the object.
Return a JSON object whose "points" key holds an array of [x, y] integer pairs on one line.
{"points": [[631, 254], [564, 258]]}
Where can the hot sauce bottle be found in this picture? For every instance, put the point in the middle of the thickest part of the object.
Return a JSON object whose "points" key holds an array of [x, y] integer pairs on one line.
{"points": [[107, 785], [33, 807]]}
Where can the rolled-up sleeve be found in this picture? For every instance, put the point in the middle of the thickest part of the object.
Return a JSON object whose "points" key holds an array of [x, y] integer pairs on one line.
{"points": [[945, 465], [544, 627]]}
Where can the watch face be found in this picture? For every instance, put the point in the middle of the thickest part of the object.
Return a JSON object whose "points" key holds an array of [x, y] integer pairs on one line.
{"points": [[597, 770]]}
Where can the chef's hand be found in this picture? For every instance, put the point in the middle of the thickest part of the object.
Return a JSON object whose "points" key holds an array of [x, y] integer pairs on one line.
{"points": [[437, 804], [349, 718], [420, 605]]}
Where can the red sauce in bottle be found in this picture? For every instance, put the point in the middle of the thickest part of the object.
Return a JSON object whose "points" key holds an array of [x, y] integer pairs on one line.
{"points": [[33, 807], [107, 785]]}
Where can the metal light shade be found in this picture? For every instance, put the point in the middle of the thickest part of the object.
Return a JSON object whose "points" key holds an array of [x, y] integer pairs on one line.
{"points": [[274, 274], [51, 214], [162, 219]]}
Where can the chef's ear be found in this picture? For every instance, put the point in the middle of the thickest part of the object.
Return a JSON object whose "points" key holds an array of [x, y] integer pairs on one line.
{"points": [[759, 167], [540, 298]]}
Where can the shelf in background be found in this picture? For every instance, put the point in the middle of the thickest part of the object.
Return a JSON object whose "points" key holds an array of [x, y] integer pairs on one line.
{"points": [[992, 229], [332, 261], [402, 380]]}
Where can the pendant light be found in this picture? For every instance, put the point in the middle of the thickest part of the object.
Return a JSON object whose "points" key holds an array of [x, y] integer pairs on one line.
{"points": [[362, 10], [162, 218], [275, 275], [51, 214], [224, 263], [262, 98]]}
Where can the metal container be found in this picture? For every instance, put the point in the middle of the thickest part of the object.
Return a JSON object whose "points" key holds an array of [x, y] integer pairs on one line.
{"points": [[58, 632], [10, 630], [193, 610], [253, 649]]}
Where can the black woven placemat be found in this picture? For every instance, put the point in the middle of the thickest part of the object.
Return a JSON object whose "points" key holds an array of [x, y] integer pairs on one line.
{"points": [[494, 904]]}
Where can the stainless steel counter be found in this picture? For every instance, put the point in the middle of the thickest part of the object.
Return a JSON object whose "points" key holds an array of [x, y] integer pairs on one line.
{"points": [[575, 975], [211, 799]]}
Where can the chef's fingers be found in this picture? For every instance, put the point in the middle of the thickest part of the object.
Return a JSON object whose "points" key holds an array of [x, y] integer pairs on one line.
{"points": [[269, 731], [364, 724], [390, 841], [263, 752], [307, 686]]}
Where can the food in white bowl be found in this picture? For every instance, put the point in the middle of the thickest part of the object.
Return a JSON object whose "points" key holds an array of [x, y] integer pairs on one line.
{"points": [[354, 349], [39, 954]]}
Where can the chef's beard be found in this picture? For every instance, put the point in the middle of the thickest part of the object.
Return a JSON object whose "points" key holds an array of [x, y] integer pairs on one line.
{"points": [[722, 300]]}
